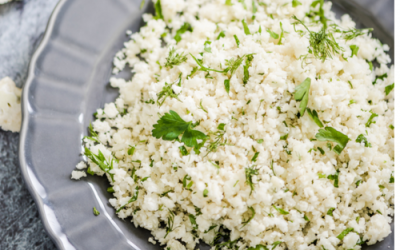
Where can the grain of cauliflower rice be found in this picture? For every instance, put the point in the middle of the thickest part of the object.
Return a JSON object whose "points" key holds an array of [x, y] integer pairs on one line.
{"points": [[250, 125]]}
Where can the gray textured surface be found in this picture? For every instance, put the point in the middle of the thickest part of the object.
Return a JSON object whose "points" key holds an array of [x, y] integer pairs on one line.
{"points": [[21, 27]]}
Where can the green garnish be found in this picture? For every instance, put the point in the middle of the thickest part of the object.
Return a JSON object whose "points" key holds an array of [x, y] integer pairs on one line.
{"points": [[362, 139], [259, 141], [250, 172], [166, 193], [321, 175], [284, 137], [110, 190], [205, 193], [93, 135], [227, 84], [280, 210], [158, 9], [296, 3], [275, 244], [314, 115], [351, 85], [322, 44], [202, 68], [254, 159], [237, 40], [335, 178], [370, 120], [273, 34], [351, 34], [170, 223], [246, 28], [321, 150], [221, 34], [142, 4], [207, 47], [174, 58], [281, 35], [228, 2], [354, 50], [167, 91], [330, 211], [331, 134], [258, 247], [391, 178], [170, 126], [185, 27], [253, 8], [381, 77], [344, 233], [253, 213], [246, 77], [358, 183], [131, 150], [192, 219], [389, 88], [100, 161], [391, 126], [187, 182], [301, 94], [133, 199], [95, 211], [351, 102], [217, 141]]}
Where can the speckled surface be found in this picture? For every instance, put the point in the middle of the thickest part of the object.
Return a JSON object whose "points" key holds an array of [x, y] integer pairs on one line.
{"points": [[22, 24]]}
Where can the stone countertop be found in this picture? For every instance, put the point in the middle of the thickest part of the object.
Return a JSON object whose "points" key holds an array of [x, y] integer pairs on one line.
{"points": [[22, 24]]}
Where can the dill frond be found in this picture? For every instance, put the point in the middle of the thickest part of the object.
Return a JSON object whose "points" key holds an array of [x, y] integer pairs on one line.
{"points": [[170, 223], [250, 172], [218, 139], [166, 92], [175, 58]]}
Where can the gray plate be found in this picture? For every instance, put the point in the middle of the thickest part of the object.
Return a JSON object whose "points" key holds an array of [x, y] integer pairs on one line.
{"points": [[68, 81]]}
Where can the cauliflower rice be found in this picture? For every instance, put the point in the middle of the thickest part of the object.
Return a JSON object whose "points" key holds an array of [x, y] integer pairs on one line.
{"points": [[260, 174]]}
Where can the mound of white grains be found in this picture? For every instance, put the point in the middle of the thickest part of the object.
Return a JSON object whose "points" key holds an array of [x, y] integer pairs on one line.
{"points": [[10, 105], [247, 124]]}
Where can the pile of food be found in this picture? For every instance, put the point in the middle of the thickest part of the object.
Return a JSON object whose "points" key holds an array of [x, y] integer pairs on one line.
{"points": [[10, 105], [250, 124]]}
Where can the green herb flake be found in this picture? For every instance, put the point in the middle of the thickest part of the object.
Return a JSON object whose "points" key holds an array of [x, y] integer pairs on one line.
{"points": [[246, 74], [280, 210], [185, 27], [330, 211], [110, 190], [95, 211], [301, 94], [237, 40], [273, 34], [221, 35], [296, 3], [391, 126], [354, 50], [258, 247], [253, 213], [281, 35], [321, 176], [381, 77], [174, 58], [228, 2], [170, 126], [166, 193], [207, 46], [370, 120], [351, 85], [344, 233], [314, 116], [335, 178], [170, 223], [100, 161], [254, 159], [158, 9], [362, 139], [205, 193], [351, 102], [284, 137], [331, 134], [250, 172], [93, 135], [187, 182], [275, 244], [246, 28], [321, 150], [227, 84], [133, 199], [259, 141], [389, 88], [192, 219], [203, 68], [131, 150], [142, 4], [391, 180]]}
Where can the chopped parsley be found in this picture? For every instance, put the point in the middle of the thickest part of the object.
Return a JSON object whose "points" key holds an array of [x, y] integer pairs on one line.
{"points": [[246, 28], [389, 89], [95, 211], [192, 219], [185, 27], [281, 35], [170, 126], [296, 3], [187, 182], [354, 50], [254, 159], [273, 34], [203, 68], [330, 211], [259, 141], [301, 94], [170, 223], [344, 233], [101, 161], [335, 178], [205, 193], [217, 141], [175, 58], [321, 150], [253, 213], [258, 247], [391, 180], [167, 91], [221, 34], [133, 199], [93, 135], [142, 4], [110, 190], [332, 135], [371, 119], [362, 139], [381, 77], [314, 115], [248, 60], [250, 172], [237, 40], [131, 150], [207, 46], [158, 9], [280, 210]]}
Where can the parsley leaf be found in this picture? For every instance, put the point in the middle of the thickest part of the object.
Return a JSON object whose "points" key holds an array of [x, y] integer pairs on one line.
{"points": [[185, 183], [280, 210], [254, 159], [296, 3], [370, 120], [170, 223], [174, 58], [207, 47], [205, 193], [354, 50], [335, 178], [253, 213], [166, 92], [157, 7], [221, 34], [391, 178], [246, 28], [344, 233], [170, 126], [330, 211], [93, 135], [362, 139], [301, 94], [275, 244], [131, 150], [237, 40], [142, 4], [100, 161], [227, 84], [281, 35], [185, 27], [228, 2], [314, 115], [389, 88], [381, 77], [273, 34], [95, 211], [246, 77], [331, 134]]}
